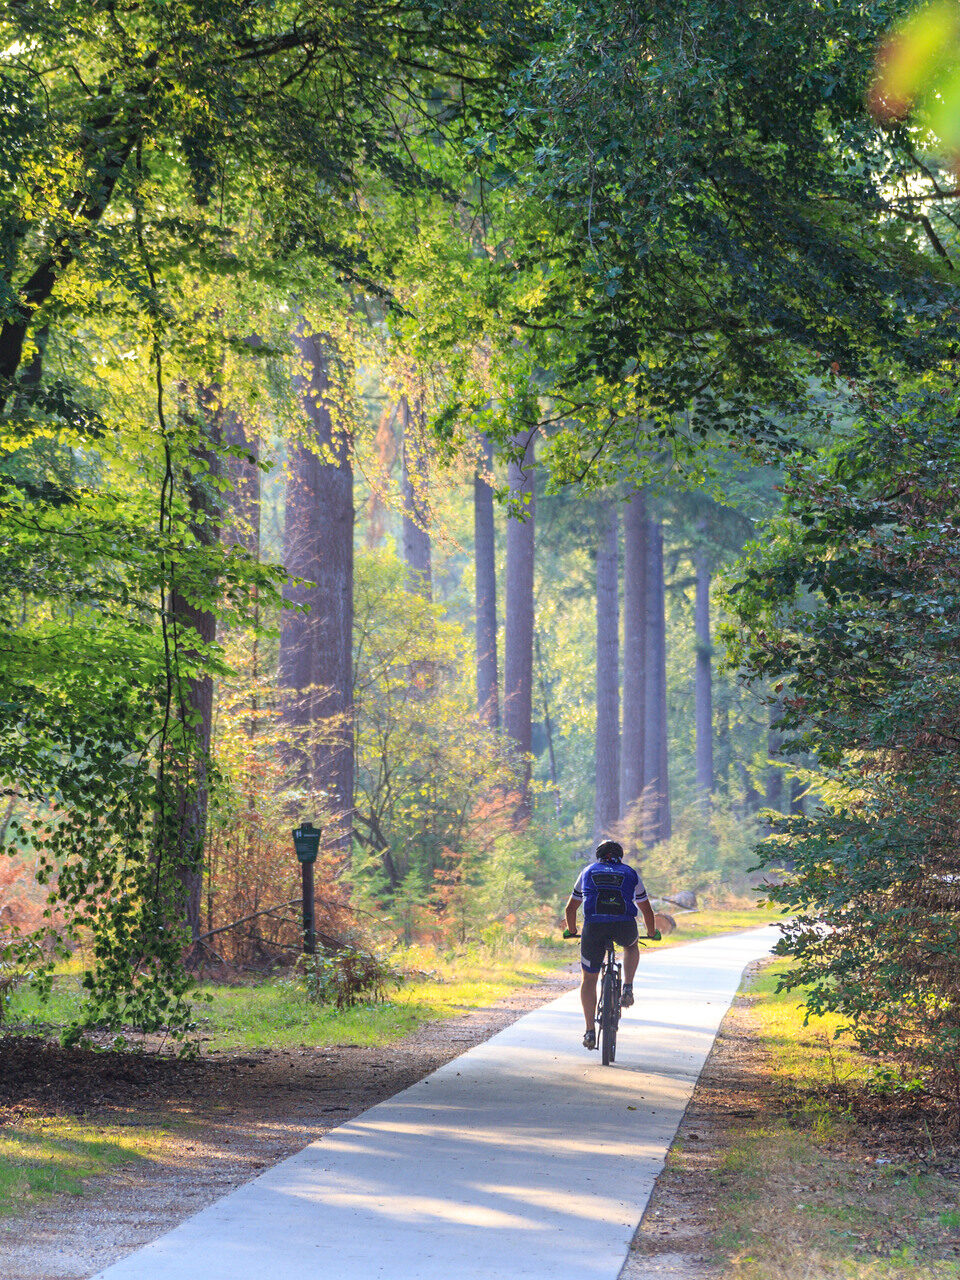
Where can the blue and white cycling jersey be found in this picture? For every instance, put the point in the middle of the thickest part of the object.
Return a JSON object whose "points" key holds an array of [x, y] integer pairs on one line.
{"points": [[609, 891]]}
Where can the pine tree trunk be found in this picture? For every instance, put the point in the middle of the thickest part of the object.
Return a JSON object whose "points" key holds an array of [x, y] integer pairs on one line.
{"points": [[192, 624], [484, 539], [607, 741], [774, 782], [316, 648], [656, 786], [242, 527], [634, 650], [664, 818], [518, 642], [797, 801], [703, 683], [751, 796], [548, 725], [416, 510], [722, 716]]}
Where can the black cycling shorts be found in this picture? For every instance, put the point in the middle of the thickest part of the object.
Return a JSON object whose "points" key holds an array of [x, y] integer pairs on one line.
{"points": [[595, 935]]}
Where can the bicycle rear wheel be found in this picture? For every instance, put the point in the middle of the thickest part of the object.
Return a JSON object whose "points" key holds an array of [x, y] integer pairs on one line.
{"points": [[609, 1015]]}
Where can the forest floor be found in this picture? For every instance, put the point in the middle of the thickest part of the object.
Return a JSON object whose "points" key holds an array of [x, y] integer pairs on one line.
{"points": [[785, 1166], [788, 1166]]}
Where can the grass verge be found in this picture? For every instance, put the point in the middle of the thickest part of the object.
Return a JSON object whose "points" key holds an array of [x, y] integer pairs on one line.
{"points": [[273, 1011], [825, 1186], [56, 1155], [277, 1013]]}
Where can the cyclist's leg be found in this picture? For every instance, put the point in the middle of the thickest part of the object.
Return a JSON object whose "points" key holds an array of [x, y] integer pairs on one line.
{"points": [[588, 997], [592, 945], [629, 940]]}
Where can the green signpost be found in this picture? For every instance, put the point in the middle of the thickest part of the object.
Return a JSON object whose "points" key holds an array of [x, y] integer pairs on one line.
{"points": [[306, 842]]}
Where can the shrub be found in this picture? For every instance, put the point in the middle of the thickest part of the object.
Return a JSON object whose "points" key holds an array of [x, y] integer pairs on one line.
{"points": [[853, 612]]}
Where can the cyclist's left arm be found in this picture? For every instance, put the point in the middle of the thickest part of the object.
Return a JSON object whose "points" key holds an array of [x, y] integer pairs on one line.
{"points": [[570, 913], [573, 903]]}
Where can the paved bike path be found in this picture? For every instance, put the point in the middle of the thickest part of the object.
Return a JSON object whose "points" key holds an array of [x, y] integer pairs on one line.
{"points": [[522, 1157]]}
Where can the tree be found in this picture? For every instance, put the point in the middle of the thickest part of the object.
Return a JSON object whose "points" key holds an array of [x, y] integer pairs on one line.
{"points": [[726, 235], [241, 441], [607, 736], [316, 636], [655, 734], [484, 544], [850, 611], [632, 742], [433, 781], [703, 693], [227, 99], [194, 626], [416, 508], [518, 643]]}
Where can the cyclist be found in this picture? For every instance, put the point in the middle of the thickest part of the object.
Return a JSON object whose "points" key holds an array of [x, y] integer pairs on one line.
{"points": [[611, 893]]}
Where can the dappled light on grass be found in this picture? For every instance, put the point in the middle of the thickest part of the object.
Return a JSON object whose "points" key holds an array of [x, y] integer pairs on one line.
{"points": [[811, 1190], [55, 1157]]}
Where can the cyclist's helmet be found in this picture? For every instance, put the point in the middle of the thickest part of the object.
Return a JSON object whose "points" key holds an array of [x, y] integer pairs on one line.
{"points": [[609, 851]]}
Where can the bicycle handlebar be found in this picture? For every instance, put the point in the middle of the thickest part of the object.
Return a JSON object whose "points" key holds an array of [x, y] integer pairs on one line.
{"points": [[656, 936]]}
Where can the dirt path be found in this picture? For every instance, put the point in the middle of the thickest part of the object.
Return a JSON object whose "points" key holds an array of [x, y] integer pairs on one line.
{"points": [[231, 1115]]}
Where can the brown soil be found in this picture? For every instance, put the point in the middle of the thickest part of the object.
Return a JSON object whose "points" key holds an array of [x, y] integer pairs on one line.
{"points": [[232, 1114]]}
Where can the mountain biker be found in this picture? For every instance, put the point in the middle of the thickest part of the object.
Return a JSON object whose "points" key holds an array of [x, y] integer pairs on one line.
{"points": [[611, 893]]}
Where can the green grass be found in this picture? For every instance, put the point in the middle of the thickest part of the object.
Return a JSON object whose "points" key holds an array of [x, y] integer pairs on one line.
{"points": [[795, 1195], [50, 1157], [270, 1013]]}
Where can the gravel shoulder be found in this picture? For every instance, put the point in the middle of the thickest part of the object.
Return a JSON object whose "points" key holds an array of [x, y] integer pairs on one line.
{"points": [[228, 1116]]}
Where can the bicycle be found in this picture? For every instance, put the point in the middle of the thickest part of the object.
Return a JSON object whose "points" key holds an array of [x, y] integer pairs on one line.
{"points": [[608, 1001]]}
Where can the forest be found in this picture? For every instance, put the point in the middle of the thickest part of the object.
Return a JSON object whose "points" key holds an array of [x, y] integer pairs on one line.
{"points": [[478, 429]]}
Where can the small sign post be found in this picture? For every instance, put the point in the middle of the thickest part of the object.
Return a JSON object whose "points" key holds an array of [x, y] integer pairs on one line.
{"points": [[306, 842]]}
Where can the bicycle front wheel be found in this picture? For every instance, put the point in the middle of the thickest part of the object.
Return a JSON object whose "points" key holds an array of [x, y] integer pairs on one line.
{"points": [[609, 1016]]}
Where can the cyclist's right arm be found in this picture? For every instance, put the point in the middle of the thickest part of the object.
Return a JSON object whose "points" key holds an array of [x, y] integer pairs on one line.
{"points": [[648, 917]]}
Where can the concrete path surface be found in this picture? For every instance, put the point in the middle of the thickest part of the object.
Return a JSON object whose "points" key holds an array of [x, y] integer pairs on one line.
{"points": [[524, 1157]]}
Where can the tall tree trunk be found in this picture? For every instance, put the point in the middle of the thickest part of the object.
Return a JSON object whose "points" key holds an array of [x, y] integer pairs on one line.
{"points": [[656, 784], [416, 510], [703, 682], [547, 723], [751, 796], [194, 628], [316, 648], [484, 541], [774, 780], [723, 743], [664, 818], [518, 646], [607, 741], [797, 801], [242, 526], [634, 650]]}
